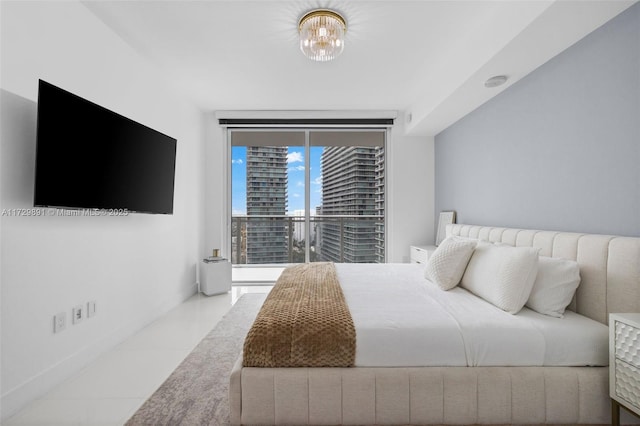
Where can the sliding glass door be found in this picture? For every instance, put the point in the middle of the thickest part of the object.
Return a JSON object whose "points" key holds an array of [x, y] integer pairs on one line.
{"points": [[349, 221], [306, 195]]}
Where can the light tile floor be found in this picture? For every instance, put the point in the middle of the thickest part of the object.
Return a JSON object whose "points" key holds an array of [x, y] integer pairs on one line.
{"points": [[114, 386]]}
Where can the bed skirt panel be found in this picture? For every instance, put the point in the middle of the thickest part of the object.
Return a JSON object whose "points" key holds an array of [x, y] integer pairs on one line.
{"points": [[420, 396]]}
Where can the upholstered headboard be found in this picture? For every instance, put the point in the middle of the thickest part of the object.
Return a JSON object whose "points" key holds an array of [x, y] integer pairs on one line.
{"points": [[609, 265]]}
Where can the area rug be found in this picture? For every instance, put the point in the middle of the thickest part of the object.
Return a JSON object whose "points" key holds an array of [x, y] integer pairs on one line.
{"points": [[197, 392]]}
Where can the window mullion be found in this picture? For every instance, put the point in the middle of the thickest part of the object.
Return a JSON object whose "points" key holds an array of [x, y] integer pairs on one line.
{"points": [[307, 198]]}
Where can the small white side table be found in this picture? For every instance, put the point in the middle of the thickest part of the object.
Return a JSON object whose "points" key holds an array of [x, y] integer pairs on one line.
{"points": [[215, 277], [420, 254]]}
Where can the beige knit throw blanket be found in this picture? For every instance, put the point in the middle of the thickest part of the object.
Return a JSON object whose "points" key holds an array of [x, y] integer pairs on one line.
{"points": [[304, 322]]}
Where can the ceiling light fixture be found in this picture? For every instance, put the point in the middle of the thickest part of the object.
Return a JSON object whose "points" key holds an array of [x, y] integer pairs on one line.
{"points": [[496, 81], [322, 34]]}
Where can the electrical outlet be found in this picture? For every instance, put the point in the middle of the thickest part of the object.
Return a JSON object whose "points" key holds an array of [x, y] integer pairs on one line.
{"points": [[78, 314], [91, 308], [59, 322]]}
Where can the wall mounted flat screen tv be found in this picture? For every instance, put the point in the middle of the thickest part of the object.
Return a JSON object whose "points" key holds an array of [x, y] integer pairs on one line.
{"points": [[89, 157]]}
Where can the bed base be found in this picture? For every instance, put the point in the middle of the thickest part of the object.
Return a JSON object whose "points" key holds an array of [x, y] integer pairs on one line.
{"points": [[419, 396]]}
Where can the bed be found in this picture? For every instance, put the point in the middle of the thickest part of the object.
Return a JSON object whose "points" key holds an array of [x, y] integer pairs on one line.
{"points": [[478, 388]]}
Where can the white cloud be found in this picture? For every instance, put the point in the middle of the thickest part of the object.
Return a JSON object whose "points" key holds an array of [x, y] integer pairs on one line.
{"points": [[318, 180], [294, 157], [296, 169], [299, 183], [296, 195], [237, 161]]}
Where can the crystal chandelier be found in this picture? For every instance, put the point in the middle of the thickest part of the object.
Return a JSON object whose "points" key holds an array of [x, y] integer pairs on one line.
{"points": [[322, 34]]}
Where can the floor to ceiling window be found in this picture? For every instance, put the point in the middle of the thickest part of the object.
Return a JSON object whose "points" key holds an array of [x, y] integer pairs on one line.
{"points": [[306, 195]]}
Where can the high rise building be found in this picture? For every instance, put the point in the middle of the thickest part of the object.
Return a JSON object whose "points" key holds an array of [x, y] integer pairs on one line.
{"points": [[298, 225], [352, 185], [380, 205], [299, 232], [267, 240]]}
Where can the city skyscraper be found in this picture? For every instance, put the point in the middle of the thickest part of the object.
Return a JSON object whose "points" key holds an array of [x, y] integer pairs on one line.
{"points": [[266, 196], [380, 205], [352, 184], [299, 233]]}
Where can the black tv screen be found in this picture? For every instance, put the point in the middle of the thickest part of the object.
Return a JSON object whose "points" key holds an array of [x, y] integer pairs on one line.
{"points": [[89, 157]]}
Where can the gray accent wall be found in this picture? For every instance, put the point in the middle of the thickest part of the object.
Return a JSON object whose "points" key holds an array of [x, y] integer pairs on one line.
{"points": [[558, 150]]}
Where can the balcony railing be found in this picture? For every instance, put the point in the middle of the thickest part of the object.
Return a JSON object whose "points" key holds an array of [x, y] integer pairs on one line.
{"points": [[276, 239]]}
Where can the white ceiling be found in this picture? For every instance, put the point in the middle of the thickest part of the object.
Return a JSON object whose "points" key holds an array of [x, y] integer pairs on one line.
{"points": [[426, 58]]}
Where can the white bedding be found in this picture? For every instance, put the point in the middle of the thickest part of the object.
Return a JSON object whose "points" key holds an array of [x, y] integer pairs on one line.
{"points": [[404, 320]]}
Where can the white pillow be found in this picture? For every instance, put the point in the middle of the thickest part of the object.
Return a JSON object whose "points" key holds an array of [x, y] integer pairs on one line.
{"points": [[554, 287], [502, 275], [448, 262]]}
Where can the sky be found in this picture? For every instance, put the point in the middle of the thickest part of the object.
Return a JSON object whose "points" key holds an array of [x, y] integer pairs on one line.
{"points": [[295, 160]]}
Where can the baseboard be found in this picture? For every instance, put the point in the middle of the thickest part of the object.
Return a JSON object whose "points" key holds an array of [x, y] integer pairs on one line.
{"points": [[17, 398], [252, 283]]}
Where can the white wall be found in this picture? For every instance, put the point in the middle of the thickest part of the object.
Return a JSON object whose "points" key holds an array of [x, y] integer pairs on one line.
{"points": [[410, 198], [215, 188], [136, 267]]}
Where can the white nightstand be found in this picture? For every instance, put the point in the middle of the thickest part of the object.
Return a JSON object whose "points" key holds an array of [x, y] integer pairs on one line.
{"points": [[624, 364], [215, 277], [420, 254]]}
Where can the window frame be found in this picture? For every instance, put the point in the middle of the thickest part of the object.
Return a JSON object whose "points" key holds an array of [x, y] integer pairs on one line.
{"points": [[227, 214]]}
